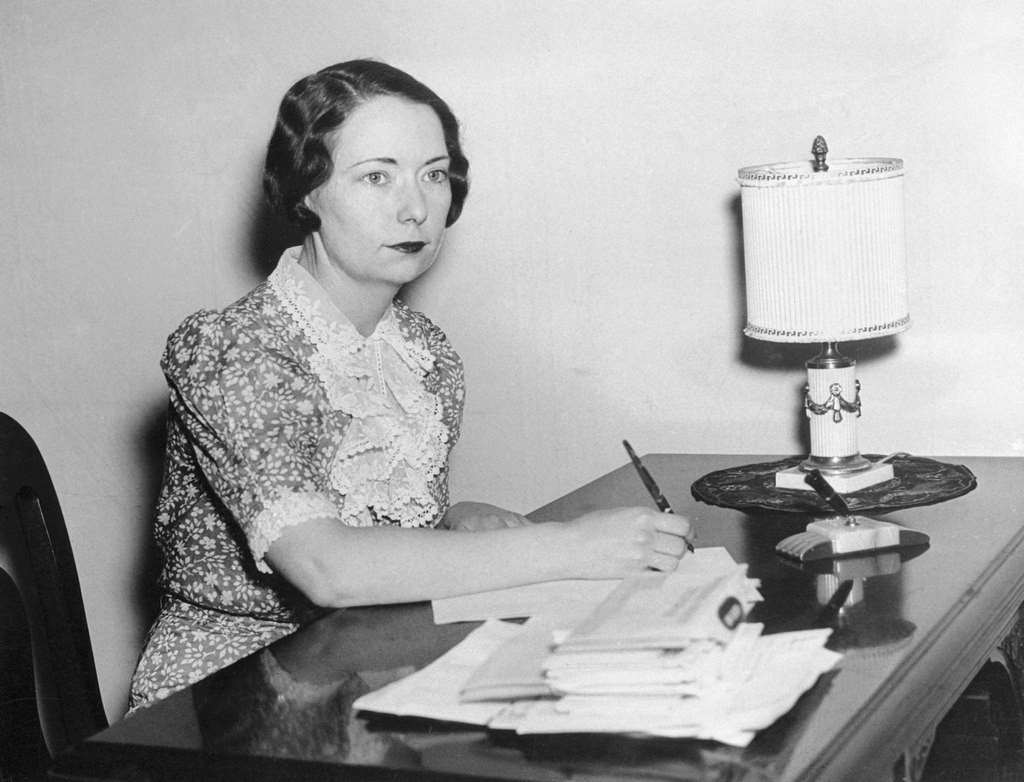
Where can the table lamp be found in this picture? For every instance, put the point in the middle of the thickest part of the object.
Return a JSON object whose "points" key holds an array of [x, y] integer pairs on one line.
{"points": [[824, 250]]}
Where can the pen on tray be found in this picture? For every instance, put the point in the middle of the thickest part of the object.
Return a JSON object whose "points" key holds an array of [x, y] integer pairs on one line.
{"points": [[824, 490], [651, 486]]}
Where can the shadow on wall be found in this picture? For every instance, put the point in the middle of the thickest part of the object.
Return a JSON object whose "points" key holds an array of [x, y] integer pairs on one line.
{"points": [[150, 455], [269, 236]]}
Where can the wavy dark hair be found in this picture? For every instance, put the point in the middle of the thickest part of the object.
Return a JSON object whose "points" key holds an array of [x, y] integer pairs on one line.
{"points": [[298, 155]]}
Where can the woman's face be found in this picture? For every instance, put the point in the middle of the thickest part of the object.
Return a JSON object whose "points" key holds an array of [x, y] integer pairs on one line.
{"points": [[383, 210]]}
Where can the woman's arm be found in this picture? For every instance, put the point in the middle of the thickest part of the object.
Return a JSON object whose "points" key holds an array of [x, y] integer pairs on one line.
{"points": [[336, 565]]}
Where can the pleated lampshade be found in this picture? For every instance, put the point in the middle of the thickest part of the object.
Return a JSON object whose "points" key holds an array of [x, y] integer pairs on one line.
{"points": [[824, 250]]}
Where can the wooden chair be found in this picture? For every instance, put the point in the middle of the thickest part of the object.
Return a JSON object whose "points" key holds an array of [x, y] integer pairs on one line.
{"points": [[22, 747], [34, 546]]}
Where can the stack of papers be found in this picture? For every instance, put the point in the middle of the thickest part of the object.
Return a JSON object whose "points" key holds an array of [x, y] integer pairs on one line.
{"points": [[686, 671], [726, 695], [666, 611], [659, 654]]}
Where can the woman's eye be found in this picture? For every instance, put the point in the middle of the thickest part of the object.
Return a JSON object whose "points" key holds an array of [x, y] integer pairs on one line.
{"points": [[437, 175], [375, 178]]}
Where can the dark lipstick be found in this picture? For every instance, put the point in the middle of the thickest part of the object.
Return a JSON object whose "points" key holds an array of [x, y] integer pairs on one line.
{"points": [[408, 247]]}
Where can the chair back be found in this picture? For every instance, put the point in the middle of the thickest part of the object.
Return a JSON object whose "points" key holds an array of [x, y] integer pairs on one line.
{"points": [[34, 545], [23, 753]]}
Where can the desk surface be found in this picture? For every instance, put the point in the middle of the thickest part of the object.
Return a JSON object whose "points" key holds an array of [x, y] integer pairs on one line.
{"points": [[914, 638]]}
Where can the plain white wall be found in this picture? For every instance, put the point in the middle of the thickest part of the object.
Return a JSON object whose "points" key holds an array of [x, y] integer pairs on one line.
{"points": [[594, 282]]}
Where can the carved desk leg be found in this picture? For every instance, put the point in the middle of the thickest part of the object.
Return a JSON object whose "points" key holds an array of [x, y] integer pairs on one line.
{"points": [[983, 733], [985, 726], [1009, 655], [910, 765]]}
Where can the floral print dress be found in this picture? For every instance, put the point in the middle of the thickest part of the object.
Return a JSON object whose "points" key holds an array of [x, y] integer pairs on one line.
{"points": [[282, 412]]}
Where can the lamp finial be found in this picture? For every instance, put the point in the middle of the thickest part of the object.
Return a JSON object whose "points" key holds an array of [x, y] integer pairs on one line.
{"points": [[819, 149]]}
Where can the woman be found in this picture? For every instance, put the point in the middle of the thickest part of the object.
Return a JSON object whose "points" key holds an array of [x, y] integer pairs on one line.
{"points": [[310, 422]]}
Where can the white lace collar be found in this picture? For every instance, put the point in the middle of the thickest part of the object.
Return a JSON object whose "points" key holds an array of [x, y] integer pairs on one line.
{"points": [[396, 443]]}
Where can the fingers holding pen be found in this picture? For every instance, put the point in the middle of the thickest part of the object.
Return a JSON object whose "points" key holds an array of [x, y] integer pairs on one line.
{"points": [[674, 525], [659, 499], [616, 542], [669, 540], [670, 545], [659, 539]]}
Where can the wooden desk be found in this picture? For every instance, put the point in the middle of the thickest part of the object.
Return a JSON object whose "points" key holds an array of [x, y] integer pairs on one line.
{"points": [[916, 636]]}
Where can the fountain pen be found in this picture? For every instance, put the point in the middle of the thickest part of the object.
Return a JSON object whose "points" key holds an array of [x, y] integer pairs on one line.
{"points": [[652, 487]]}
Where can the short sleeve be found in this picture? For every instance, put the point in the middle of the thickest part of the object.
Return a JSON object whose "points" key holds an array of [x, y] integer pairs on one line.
{"points": [[257, 424]]}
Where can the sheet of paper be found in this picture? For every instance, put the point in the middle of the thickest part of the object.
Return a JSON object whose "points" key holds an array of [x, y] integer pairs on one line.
{"points": [[568, 600], [516, 668], [433, 691]]}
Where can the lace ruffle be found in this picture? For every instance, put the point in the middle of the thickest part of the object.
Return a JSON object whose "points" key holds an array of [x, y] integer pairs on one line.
{"points": [[288, 510], [396, 443]]}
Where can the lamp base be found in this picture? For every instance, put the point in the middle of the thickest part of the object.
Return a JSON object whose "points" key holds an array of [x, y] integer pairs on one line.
{"points": [[842, 481]]}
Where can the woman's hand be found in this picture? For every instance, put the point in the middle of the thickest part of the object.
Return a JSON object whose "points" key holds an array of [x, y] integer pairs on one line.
{"points": [[617, 542], [479, 517]]}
